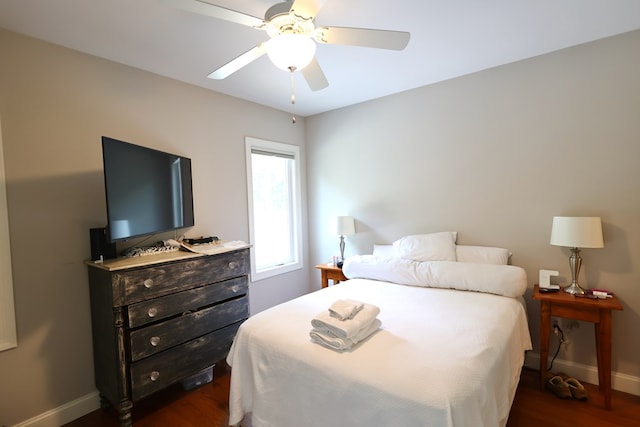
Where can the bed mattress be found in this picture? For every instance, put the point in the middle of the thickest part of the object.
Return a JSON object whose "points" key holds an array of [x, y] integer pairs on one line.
{"points": [[442, 357]]}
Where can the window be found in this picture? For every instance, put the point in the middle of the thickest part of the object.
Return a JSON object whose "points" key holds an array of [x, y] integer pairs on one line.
{"points": [[273, 180]]}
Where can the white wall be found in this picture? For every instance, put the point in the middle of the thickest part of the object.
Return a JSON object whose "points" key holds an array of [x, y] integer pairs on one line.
{"points": [[8, 333], [495, 155], [55, 105]]}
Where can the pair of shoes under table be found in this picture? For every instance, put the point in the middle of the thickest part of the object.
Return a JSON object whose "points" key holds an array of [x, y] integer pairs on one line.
{"points": [[566, 387]]}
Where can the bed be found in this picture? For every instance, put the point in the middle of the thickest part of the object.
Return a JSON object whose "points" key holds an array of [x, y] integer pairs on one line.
{"points": [[449, 351]]}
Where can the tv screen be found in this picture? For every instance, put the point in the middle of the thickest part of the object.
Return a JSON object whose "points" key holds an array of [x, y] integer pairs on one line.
{"points": [[148, 191]]}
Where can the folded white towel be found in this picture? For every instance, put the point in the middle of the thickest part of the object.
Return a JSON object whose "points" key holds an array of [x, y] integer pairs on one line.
{"points": [[345, 328], [344, 309], [342, 344]]}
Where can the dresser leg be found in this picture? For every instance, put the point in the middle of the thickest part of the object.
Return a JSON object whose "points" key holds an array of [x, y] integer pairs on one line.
{"points": [[124, 413], [104, 403], [125, 405]]}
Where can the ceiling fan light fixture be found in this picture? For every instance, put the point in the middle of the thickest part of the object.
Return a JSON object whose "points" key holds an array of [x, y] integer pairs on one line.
{"points": [[288, 51]]}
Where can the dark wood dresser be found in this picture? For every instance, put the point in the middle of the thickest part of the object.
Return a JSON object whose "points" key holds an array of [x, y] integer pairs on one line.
{"points": [[159, 319]]}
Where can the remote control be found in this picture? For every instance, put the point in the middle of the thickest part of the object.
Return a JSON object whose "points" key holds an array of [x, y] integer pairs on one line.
{"points": [[199, 240]]}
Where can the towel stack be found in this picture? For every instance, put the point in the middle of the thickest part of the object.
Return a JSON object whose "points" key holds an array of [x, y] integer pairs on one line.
{"points": [[346, 323]]}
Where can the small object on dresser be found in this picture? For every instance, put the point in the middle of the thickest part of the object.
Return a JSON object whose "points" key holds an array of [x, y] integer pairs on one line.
{"points": [[149, 250], [200, 240], [602, 293], [196, 380], [545, 279], [587, 294]]}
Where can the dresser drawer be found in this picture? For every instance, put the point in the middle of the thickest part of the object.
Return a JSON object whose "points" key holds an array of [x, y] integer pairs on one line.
{"points": [[161, 336], [170, 305], [159, 371], [159, 280]]}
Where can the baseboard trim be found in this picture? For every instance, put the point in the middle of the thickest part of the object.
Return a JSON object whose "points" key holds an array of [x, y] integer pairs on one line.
{"points": [[621, 382], [65, 413]]}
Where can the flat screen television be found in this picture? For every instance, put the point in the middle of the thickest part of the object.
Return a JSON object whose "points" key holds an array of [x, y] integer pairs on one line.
{"points": [[147, 191]]}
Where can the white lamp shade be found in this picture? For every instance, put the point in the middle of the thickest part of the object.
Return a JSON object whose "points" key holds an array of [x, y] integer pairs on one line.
{"points": [[291, 50], [577, 232], [344, 226]]}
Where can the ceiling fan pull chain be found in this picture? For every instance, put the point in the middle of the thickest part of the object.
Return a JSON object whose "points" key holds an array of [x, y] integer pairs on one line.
{"points": [[293, 96]]}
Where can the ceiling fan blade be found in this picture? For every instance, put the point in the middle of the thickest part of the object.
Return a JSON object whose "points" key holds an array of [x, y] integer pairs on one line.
{"points": [[208, 9], [306, 9], [380, 39], [314, 76], [234, 65]]}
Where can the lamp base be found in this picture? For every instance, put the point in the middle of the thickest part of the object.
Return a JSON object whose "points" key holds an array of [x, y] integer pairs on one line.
{"points": [[575, 261], [574, 289]]}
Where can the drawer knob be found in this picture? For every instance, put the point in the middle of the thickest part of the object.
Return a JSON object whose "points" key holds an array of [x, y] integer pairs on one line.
{"points": [[148, 283], [152, 312], [155, 341], [154, 376], [233, 265]]}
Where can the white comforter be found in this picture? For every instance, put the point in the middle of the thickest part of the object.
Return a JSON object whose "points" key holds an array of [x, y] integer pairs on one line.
{"points": [[442, 358]]}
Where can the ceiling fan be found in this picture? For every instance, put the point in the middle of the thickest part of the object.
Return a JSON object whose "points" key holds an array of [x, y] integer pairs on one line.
{"points": [[293, 37]]}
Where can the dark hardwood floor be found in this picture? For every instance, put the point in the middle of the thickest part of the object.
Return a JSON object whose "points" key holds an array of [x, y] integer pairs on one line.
{"points": [[532, 407]]}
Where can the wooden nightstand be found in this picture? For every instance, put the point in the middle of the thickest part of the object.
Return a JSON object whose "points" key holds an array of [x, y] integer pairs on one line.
{"points": [[597, 311], [330, 272]]}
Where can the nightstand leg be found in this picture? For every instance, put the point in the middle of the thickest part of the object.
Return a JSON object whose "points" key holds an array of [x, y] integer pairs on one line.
{"points": [[603, 351], [325, 278], [545, 329]]}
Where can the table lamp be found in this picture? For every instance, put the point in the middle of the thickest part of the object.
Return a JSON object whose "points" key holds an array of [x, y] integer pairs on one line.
{"points": [[344, 226], [574, 233]]}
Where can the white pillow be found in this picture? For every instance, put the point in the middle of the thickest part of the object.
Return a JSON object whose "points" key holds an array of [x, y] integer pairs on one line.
{"points": [[507, 280], [427, 247], [384, 251], [482, 254]]}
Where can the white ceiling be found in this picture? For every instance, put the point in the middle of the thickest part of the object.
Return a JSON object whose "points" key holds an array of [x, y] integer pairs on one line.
{"points": [[448, 39]]}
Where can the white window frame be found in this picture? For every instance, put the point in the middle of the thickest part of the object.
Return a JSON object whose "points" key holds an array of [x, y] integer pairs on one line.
{"points": [[276, 148]]}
